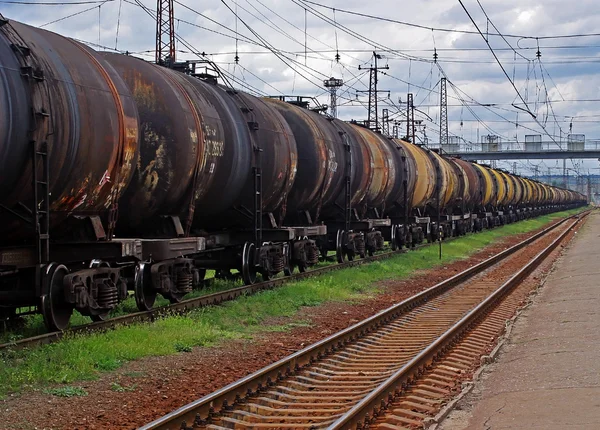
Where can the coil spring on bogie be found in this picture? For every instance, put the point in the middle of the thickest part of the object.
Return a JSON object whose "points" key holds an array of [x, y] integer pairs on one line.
{"points": [[379, 242], [277, 263], [359, 245], [312, 253], [107, 295], [185, 282]]}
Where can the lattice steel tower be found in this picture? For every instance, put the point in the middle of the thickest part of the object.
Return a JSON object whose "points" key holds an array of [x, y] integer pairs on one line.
{"points": [[443, 114], [385, 122], [333, 84], [373, 121], [410, 118], [165, 33]]}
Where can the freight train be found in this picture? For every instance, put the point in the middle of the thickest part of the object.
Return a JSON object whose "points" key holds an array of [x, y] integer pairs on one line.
{"points": [[119, 175]]}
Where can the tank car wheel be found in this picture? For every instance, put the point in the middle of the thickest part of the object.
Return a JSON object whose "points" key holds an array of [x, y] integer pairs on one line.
{"points": [[55, 309], [339, 247], [248, 269], [370, 252], [350, 256], [393, 243], [145, 295]]}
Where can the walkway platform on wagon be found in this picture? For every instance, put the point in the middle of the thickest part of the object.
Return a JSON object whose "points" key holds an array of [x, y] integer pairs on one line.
{"points": [[547, 375]]}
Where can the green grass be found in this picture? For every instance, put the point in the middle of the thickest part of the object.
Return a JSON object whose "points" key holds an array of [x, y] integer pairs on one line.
{"points": [[115, 386], [84, 357], [67, 391], [33, 325]]}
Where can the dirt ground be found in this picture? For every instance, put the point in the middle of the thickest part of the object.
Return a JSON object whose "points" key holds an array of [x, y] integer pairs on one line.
{"points": [[162, 384]]}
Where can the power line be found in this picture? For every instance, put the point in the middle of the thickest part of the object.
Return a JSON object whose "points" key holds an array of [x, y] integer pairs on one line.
{"points": [[498, 61], [354, 34], [44, 3], [269, 46], [498, 31], [446, 30], [75, 14]]}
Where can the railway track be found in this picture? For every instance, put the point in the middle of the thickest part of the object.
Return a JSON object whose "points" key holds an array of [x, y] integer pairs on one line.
{"points": [[390, 370], [196, 302]]}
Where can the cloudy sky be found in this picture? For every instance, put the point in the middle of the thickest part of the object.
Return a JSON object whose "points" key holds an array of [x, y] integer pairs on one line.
{"points": [[305, 37]]}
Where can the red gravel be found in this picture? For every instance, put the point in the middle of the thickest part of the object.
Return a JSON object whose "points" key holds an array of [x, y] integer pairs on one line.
{"points": [[163, 384]]}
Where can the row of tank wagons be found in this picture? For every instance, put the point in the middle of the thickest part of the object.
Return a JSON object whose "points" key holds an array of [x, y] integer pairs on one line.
{"points": [[460, 183], [190, 176]]}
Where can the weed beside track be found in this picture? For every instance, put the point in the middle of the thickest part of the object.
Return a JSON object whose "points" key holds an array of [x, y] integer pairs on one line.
{"points": [[81, 357]]}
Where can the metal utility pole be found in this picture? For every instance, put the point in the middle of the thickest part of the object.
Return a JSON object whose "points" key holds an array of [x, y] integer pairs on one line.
{"points": [[385, 122], [333, 84], [372, 121], [443, 114], [165, 33], [410, 118]]}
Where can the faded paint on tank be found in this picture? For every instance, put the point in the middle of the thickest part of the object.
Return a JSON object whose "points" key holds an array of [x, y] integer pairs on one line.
{"points": [[530, 191], [509, 188], [321, 158], [473, 193], [408, 169], [516, 189], [462, 184], [361, 174], [487, 184], [500, 187], [424, 173], [197, 150], [180, 144], [383, 170], [447, 183], [75, 102], [396, 185]]}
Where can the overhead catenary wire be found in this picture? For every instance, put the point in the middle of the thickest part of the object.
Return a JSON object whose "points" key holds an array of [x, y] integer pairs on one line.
{"points": [[379, 46], [46, 3], [448, 30], [74, 14], [498, 61], [274, 50], [499, 33]]}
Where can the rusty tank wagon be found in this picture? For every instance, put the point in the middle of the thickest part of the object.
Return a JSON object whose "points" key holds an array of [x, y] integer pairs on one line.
{"points": [[119, 176]]}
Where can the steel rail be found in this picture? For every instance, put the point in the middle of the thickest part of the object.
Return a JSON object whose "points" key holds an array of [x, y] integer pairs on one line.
{"points": [[204, 410], [375, 403], [200, 301]]}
